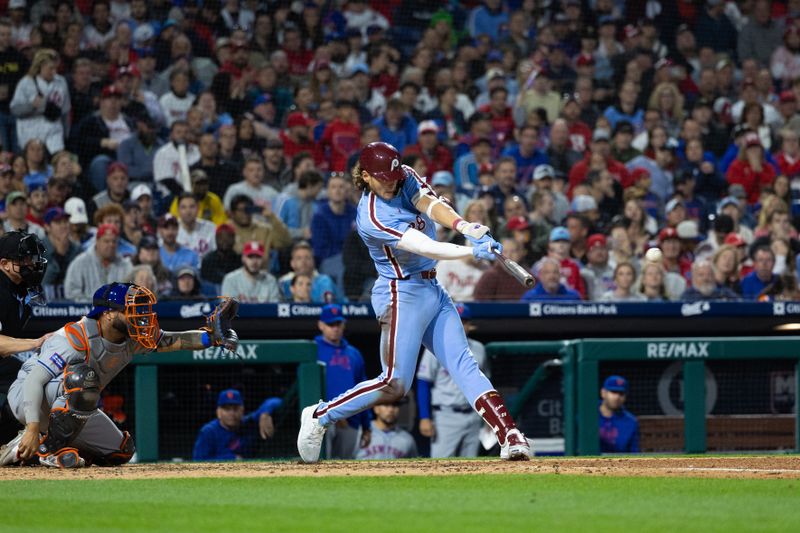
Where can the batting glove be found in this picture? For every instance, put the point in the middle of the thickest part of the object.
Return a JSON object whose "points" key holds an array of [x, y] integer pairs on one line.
{"points": [[485, 250], [471, 229]]}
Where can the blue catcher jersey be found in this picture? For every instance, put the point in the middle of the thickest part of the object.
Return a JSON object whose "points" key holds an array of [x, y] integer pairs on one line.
{"points": [[381, 223]]}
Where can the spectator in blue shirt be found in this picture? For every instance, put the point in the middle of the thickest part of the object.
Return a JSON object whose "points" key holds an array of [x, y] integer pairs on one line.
{"points": [[330, 225], [344, 368], [549, 286], [619, 429], [173, 255], [525, 154], [323, 289], [397, 126], [234, 435], [761, 276], [487, 19]]}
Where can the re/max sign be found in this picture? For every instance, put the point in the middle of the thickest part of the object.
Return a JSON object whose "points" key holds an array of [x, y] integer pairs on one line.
{"points": [[677, 350], [243, 351]]}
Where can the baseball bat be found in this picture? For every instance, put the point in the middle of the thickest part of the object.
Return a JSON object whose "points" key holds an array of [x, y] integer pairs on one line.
{"points": [[513, 268]]}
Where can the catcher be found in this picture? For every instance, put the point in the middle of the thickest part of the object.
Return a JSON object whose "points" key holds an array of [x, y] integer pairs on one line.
{"points": [[55, 395]]}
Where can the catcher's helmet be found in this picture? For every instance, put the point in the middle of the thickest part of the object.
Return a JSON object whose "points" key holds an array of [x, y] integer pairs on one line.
{"points": [[382, 161], [136, 303]]}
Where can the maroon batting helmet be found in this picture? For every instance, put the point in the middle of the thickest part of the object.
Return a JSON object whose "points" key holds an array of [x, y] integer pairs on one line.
{"points": [[381, 161]]}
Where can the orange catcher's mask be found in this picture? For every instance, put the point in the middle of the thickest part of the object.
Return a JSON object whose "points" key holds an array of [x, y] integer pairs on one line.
{"points": [[136, 304]]}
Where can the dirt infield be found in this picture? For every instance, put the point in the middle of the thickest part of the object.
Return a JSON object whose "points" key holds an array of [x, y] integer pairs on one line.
{"points": [[765, 467]]}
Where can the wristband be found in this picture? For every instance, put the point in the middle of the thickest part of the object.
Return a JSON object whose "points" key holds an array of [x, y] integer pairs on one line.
{"points": [[456, 222], [205, 340]]}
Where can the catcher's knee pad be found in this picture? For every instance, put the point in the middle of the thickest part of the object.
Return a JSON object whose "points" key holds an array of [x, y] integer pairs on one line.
{"points": [[82, 390], [126, 450]]}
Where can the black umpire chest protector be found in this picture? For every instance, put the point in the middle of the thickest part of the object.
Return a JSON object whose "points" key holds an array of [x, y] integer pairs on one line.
{"points": [[14, 314]]}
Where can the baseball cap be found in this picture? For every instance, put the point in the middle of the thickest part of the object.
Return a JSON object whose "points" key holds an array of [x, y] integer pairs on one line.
{"points": [[148, 242], [787, 96], [735, 239], [518, 224], [639, 173], [582, 203], [229, 397], [543, 171], [129, 204], [667, 233], [427, 126], [559, 233], [584, 60], [274, 144], [495, 56], [751, 139], [600, 134], [76, 209], [443, 178], [141, 190], [331, 314], [129, 70], [672, 204], [688, 229], [616, 384], [13, 196], [116, 166], [102, 229], [55, 213], [142, 34], [597, 239], [110, 91], [623, 126], [728, 200], [263, 98], [198, 174], [185, 270], [167, 219], [35, 180], [359, 68], [737, 191], [225, 228], [493, 73], [296, 119], [253, 248]]}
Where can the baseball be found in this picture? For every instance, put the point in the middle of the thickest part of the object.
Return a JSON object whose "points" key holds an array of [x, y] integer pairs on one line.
{"points": [[653, 255]]}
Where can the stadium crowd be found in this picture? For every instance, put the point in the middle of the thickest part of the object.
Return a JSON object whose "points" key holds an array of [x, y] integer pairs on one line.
{"points": [[204, 147]]}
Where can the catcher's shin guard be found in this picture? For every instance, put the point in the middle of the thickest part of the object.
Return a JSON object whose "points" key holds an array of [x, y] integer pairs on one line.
{"points": [[493, 410], [126, 450], [82, 390]]}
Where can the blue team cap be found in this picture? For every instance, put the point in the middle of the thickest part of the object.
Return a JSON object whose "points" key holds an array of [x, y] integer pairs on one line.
{"points": [[559, 233], [331, 314], [616, 384], [495, 56], [230, 397], [263, 98], [108, 297], [35, 180], [464, 312]]}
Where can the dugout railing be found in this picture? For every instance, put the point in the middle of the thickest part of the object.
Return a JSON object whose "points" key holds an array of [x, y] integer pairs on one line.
{"points": [[293, 363], [757, 376]]}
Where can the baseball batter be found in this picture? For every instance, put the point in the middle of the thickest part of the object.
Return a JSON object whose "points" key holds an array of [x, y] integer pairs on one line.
{"points": [[395, 219], [56, 394], [445, 415]]}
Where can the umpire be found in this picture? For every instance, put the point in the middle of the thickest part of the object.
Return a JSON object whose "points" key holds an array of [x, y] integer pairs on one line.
{"points": [[22, 267]]}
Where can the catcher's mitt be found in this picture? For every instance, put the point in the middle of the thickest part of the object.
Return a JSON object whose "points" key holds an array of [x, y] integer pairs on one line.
{"points": [[218, 324]]}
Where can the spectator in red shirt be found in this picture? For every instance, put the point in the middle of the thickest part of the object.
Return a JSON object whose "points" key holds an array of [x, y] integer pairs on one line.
{"points": [[674, 260], [558, 249], [342, 136], [436, 156], [580, 135], [299, 57], [500, 114], [598, 158], [788, 158], [297, 137], [750, 169]]}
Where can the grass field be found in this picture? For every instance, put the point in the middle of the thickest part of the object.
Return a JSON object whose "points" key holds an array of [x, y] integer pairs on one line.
{"points": [[462, 503]]}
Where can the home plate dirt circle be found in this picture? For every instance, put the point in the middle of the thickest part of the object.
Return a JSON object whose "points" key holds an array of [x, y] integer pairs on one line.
{"points": [[765, 467]]}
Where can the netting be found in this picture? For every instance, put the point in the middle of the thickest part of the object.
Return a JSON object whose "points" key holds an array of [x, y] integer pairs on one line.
{"points": [[517, 112]]}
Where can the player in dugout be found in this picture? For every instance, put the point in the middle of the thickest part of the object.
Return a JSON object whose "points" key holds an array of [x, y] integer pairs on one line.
{"points": [[234, 435], [55, 395], [619, 429]]}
